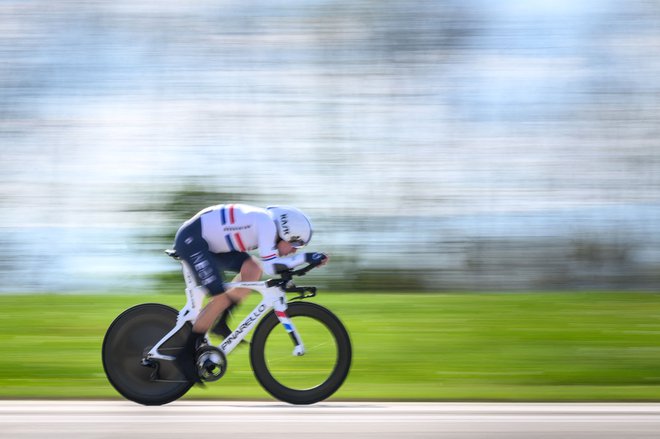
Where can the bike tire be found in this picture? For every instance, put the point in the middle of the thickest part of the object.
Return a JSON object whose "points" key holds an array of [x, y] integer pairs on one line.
{"points": [[130, 336], [287, 387]]}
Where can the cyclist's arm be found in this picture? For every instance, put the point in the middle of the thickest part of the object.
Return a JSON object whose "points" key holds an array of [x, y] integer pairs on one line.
{"points": [[270, 258]]}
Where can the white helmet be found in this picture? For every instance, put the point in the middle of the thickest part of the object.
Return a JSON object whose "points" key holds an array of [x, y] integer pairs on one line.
{"points": [[293, 226]]}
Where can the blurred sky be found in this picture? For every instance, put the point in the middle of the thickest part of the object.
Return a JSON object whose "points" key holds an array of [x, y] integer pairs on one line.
{"points": [[483, 145]]}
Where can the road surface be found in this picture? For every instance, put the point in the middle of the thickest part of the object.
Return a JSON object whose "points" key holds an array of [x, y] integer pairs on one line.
{"points": [[273, 420]]}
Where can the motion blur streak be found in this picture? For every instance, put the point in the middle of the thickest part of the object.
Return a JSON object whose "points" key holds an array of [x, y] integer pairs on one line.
{"points": [[436, 144]]}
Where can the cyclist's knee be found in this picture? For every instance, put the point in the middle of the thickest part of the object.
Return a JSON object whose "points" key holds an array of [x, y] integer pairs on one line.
{"points": [[250, 270]]}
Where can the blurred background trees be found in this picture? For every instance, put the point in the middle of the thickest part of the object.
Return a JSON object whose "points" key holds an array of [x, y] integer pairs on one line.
{"points": [[439, 145]]}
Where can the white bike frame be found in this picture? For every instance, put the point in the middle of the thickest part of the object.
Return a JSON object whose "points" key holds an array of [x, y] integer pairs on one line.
{"points": [[273, 298]]}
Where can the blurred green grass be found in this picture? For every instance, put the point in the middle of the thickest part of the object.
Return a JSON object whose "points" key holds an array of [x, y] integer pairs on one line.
{"points": [[472, 346]]}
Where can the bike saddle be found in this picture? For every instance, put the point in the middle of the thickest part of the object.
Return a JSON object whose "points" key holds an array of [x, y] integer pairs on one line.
{"points": [[172, 253]]}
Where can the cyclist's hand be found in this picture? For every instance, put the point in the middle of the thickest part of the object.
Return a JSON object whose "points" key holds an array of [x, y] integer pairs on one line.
{"points": [[316, 259]]}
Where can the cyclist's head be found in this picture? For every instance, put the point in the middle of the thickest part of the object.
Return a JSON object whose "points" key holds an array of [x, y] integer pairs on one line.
{"points": [[293, 226]]}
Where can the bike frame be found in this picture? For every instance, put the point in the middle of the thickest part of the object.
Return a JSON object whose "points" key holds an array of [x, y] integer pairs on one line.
{"points": [[273, 298]]}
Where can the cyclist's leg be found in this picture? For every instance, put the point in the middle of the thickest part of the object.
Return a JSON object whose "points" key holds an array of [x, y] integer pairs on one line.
{"points": [[192, 248], [252, 272], [221, 327], [249, 271]]}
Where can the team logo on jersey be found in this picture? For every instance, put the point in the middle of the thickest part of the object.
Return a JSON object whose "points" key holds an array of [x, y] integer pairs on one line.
{"points": [[236, 228]]}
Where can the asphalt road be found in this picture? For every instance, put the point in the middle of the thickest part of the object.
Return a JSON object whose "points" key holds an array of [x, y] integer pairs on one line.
{"points": [[272, 420]]}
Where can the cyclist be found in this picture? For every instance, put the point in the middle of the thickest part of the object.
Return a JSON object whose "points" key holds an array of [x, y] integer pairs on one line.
{"points": [[218, 239]]}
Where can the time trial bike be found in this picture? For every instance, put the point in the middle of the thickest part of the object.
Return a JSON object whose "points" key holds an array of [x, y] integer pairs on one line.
{"points": [[300, 352]]}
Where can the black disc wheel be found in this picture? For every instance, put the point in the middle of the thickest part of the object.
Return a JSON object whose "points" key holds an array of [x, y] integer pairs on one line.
{"points": [[126, 342], [313, 376]]}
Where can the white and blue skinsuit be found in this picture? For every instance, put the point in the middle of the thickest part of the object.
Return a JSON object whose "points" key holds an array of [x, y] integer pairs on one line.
{"points": [[219, 237]]}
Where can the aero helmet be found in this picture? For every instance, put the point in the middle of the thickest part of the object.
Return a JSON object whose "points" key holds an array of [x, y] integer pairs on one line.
{"points": [[293, 226]]}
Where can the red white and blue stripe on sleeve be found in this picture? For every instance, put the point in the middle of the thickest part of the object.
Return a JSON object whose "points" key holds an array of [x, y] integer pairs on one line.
{"points": [[234, 241], [269, 257]]}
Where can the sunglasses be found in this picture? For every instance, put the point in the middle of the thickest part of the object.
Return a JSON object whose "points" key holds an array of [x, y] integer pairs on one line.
{"points": [[297, 243]]}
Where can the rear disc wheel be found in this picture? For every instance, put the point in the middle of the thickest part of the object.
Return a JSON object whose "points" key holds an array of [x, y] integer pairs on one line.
{"points": [[129, 338]]}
